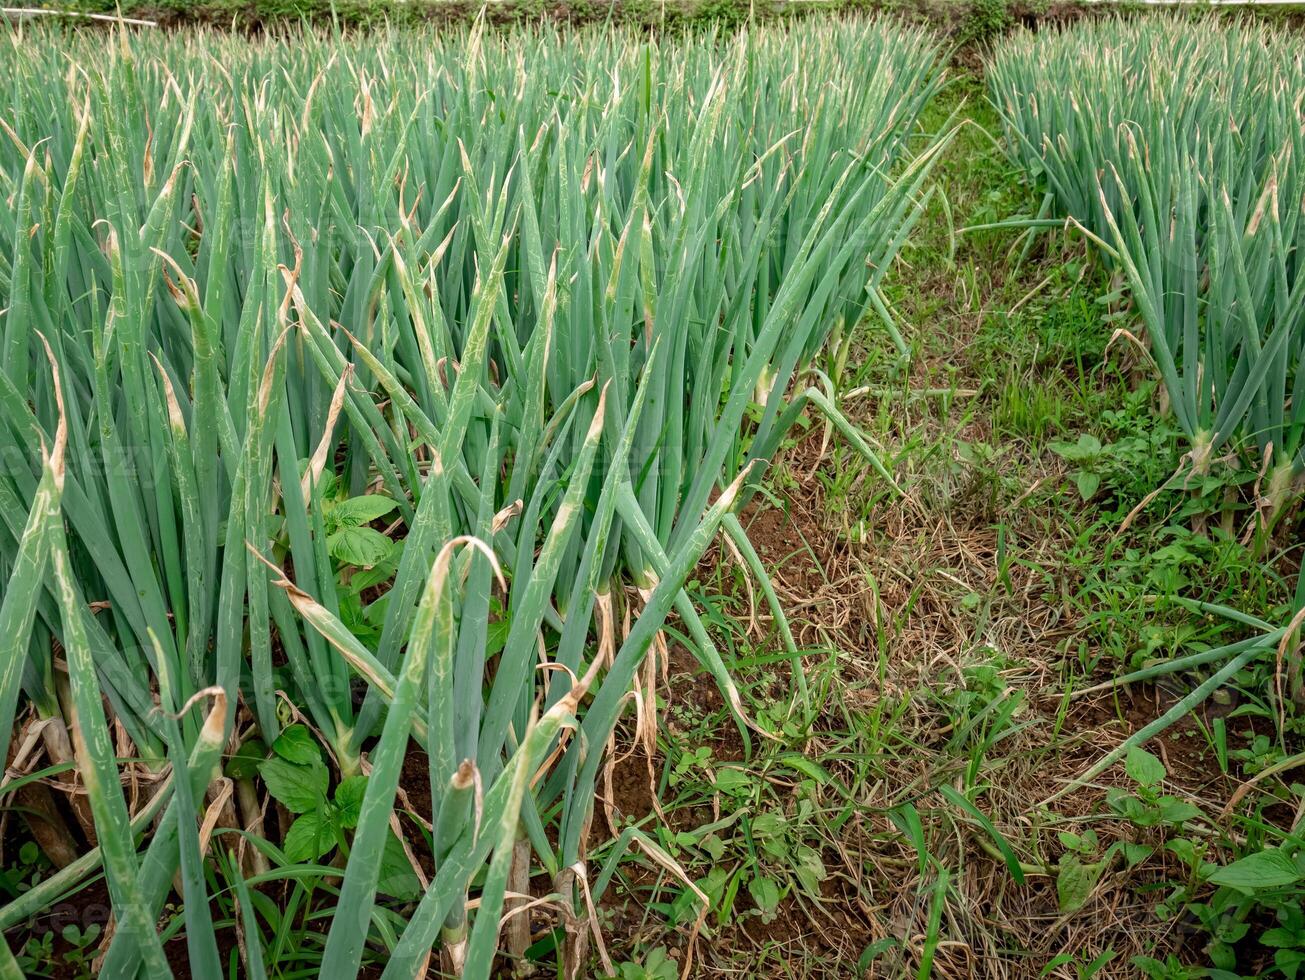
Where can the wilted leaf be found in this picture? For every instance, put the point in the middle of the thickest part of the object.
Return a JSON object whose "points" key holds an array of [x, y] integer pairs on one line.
{"points": [[1075, 881]]}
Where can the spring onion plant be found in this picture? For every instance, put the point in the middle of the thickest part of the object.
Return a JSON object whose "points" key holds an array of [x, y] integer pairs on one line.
{"points": [[394, 386], [1180, 145]]}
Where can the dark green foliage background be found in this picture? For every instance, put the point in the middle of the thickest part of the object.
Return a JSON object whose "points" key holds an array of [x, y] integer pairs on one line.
{"points": [[969, 24]]}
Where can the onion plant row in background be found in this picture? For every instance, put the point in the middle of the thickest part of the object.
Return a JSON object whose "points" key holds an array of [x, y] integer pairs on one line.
{"points": [[364, 397], [1180, 145]]}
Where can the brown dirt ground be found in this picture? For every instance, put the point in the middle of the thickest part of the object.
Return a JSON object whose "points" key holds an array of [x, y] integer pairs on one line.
{"points": [[995, 929]]}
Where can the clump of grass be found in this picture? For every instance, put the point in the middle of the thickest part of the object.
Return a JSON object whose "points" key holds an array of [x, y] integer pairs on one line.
{"points": [[403, 386]]}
